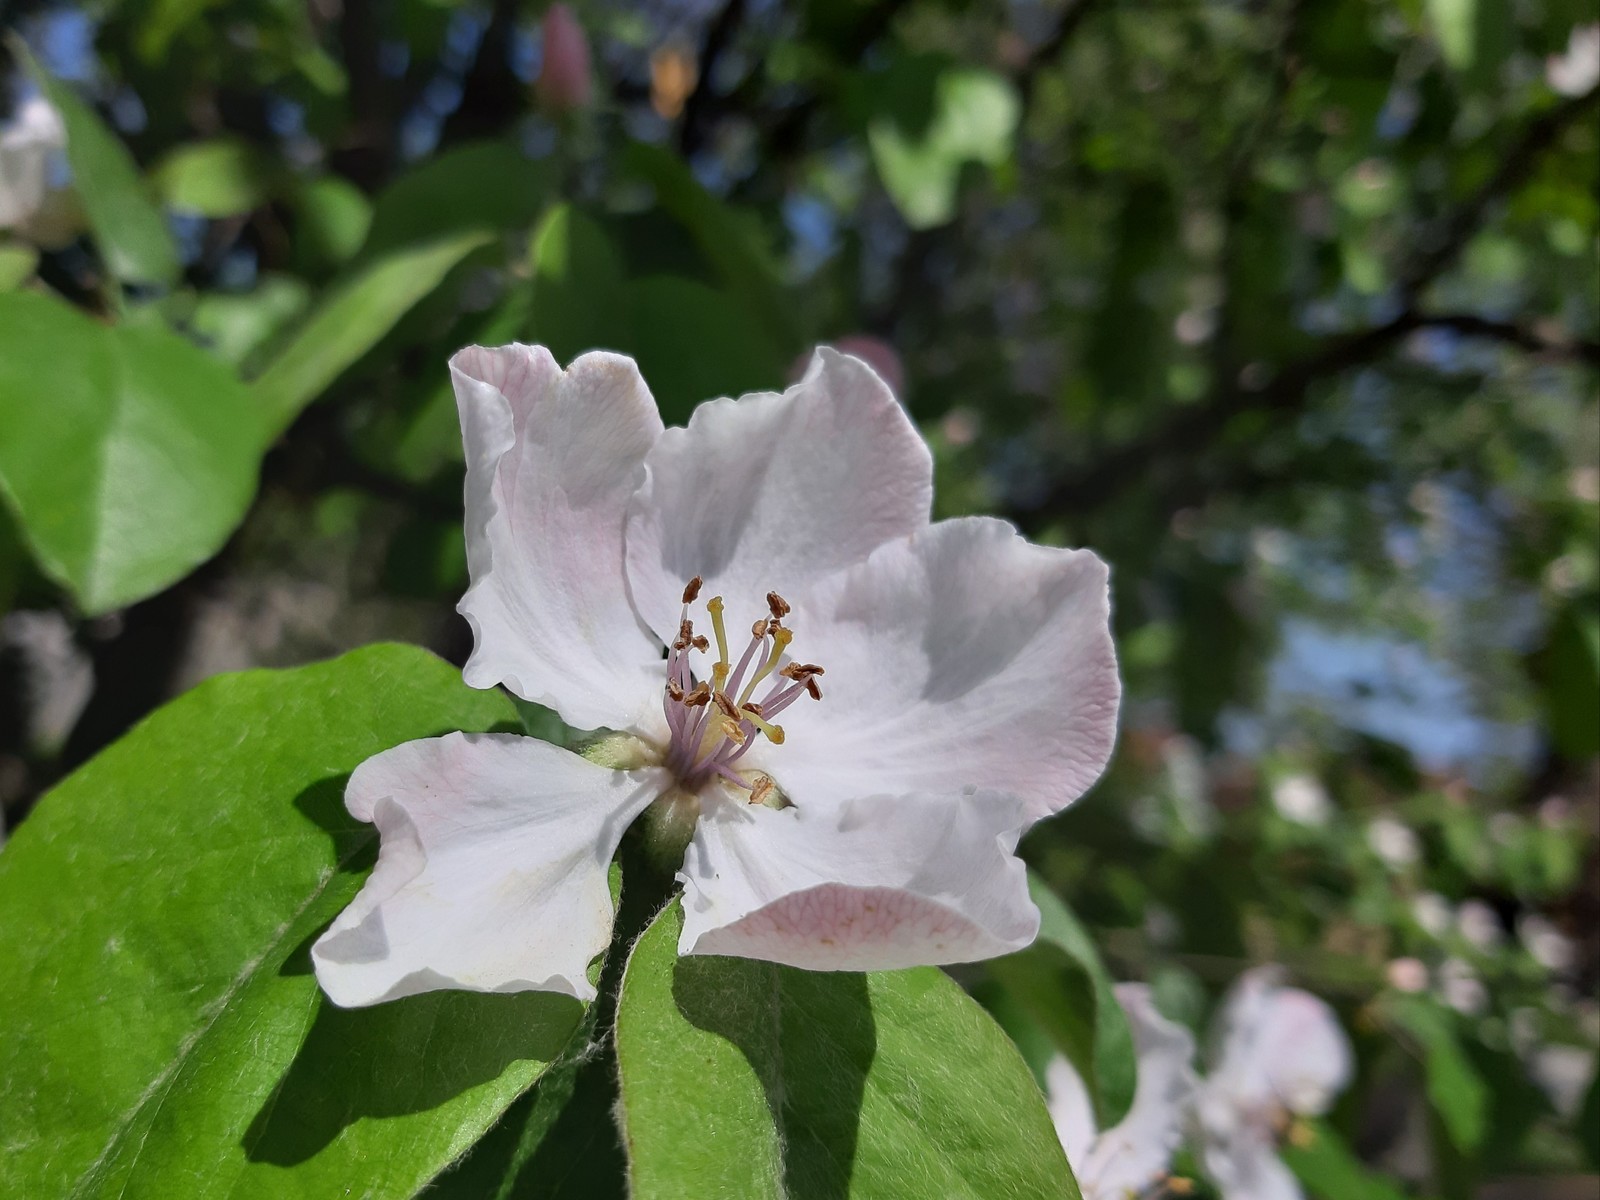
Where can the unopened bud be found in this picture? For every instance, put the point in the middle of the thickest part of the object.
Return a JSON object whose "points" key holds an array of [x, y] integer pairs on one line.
{"points": [[565, 79]]}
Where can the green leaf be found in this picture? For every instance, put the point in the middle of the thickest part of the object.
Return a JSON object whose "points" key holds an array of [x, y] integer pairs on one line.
{"points": [[744, 1078], [237, 324], [128, 455], [577, 278], [730, 354], [219, 178], [481, 187], [351, 320], [332, 219], [1061, 982], [17, 262], [1455, 1089], [974, 120], [723, 236], [128, 228], [1320, 1159], [164, 1033]]}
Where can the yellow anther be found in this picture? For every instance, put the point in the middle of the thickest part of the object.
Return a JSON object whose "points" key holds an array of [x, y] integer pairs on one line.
{"points": [[730, 730], [774, 732]]}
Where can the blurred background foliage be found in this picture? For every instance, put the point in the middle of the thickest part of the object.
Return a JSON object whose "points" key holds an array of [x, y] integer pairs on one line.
{"points": [[1288, 308]]}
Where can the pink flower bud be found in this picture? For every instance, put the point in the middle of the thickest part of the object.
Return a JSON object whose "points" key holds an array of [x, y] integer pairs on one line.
{"points": [[873, 351], [564, 81]]}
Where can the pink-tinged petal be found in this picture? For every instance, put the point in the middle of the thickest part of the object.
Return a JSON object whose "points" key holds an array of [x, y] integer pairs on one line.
{"points": [[1130, 1158], [961, 657], [1281, 1048], [491, 874], [770, 492], [1247, 1167], [871, 884], [552, 459]]}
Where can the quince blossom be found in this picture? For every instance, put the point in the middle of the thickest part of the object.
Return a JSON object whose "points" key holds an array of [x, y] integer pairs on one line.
{"points": [[1282, 1055], [30, 144], [1132, 1157], [855, 812]]}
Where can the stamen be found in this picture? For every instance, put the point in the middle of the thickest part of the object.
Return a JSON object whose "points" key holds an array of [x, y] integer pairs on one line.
{"points": [[781, 638], [761, 789], [701, 642], [699, 697], [813, 690], [778, 605], [675, 689], [691, 591], [726, 705], [774, 732]]}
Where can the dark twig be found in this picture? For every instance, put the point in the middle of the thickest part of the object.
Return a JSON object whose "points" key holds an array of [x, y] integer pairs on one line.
{"points": [[699, 111]]}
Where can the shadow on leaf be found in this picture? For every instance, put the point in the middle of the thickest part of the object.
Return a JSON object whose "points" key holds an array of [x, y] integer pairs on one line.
{"points": [[810, 1037], [395, 1059]]}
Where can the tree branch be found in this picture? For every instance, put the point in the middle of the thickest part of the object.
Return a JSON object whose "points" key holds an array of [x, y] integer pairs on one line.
{"points": [[697, 112]]}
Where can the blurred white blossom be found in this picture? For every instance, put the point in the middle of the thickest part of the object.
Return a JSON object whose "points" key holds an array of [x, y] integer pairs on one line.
{"points": [[1301, 798]]}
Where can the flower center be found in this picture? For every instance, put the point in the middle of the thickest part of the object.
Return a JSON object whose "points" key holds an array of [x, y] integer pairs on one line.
{"points": [[715, 720]]}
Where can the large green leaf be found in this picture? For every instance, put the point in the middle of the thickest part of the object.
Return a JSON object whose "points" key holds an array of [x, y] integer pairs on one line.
{"points": [[744, 1079], [577, 279], [1062, 984], [128, 227], [724, 237], [128, 454], [164, 1034], [484, 186], [352, 319]]}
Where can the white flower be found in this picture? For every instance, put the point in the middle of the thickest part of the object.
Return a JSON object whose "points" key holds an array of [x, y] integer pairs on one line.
{"points": [[1282, 1055], [1302, 798], [29, 143], [1433, 913], [1549, 947], [1461, 988], [1578, 70], [1477, 922], [970, 684], [1394, 842], [1134, 1154]]}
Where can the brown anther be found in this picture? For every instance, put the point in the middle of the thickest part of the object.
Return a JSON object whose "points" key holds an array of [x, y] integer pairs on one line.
{"points": [[754, 709], [761, 789], [674, 689], [729, 709], [800, 672], [692, 591], [701, 642], [686, 630], [813, 690], [759, 629], [700, 697], [778, 605]]}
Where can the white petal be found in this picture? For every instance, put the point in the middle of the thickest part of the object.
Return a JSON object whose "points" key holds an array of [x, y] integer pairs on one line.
{"points": [[26, 145], [871, 884], [961, 657], [1130, 1157], [552, 458], [1281, 1047], [1247, 1167], [769, 492], [1072, 1112], [491, 875]]}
